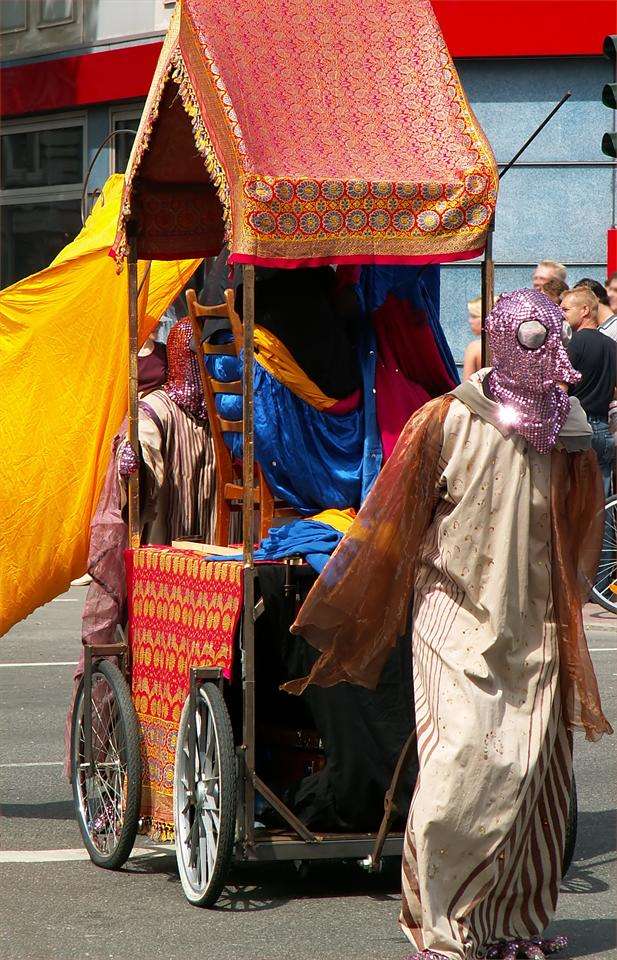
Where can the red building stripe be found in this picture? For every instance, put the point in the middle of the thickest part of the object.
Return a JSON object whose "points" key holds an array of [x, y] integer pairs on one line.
{"points": [[472, 28], [525, 28], [121, 74]]}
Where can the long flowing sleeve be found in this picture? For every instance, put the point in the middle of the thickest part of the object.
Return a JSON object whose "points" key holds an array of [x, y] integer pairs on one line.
{"points": [[359, 605], [577, 520]]}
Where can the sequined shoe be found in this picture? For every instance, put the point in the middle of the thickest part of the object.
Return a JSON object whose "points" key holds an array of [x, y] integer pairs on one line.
{"points": [[535, 949], [427, 955]]}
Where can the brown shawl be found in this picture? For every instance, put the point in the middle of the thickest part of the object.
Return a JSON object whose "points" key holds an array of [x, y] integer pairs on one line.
{"points": [[359, 605]]}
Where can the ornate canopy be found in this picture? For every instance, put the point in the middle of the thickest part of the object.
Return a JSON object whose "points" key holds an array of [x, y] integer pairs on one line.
{"points": [[308, 133]]}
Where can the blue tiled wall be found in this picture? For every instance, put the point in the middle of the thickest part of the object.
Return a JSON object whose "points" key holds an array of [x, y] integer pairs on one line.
{"points": [[542, 212]]}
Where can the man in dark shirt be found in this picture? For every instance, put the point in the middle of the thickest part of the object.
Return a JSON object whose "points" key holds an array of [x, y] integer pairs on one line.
{"points": [[607, 318], [595, 356]]}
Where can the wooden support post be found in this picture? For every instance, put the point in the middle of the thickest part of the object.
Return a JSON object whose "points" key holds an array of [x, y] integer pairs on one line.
{"points": [[133, 409], [488, 290], [248, 527]]}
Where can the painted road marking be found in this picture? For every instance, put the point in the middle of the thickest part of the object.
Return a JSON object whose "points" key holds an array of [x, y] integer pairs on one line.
{"points": [[602, 649], [66, 600], [53, 663], [33, 763], [76, 853]]}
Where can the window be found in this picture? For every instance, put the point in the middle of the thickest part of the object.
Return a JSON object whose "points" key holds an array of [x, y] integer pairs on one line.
{"points": [[122, 144], [13, 15], [42, 158], [52, 12], [41, 173], [34, 233]]}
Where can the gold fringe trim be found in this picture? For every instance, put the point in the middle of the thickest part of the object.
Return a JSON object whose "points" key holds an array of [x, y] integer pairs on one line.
{"points": [[157, 830], [179, 75]]}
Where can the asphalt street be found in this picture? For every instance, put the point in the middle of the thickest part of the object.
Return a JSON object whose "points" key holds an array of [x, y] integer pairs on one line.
{"points": [[55, 905]]}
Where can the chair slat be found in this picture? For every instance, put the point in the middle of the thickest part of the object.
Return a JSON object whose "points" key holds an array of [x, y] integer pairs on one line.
{"points": [[220, 349], [221, 386], [230, 426]]}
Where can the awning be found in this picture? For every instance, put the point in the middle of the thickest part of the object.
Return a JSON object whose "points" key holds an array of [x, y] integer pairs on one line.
{"points": [[308, 133]]}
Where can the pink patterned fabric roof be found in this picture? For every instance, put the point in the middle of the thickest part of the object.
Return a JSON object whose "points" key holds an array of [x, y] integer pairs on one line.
{"points": [[332, 131]]}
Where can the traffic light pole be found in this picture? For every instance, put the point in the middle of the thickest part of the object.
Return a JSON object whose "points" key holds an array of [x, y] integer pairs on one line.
{"points": [[609, 148]]}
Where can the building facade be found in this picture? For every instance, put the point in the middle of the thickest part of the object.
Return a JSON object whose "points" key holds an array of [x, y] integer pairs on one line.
{"points": [[75, 71]]}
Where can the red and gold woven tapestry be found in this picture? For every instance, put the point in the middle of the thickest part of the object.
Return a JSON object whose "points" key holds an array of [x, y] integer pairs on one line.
{"points": [[332, 133], [183, 612]]}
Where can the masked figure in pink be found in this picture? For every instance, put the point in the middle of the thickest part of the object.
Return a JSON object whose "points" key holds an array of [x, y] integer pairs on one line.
{"points": [[487, 522], [528, 336], [177, 477]]}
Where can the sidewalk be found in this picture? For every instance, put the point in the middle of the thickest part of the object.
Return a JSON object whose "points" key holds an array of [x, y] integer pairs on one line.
{"points": [[596, 617]]}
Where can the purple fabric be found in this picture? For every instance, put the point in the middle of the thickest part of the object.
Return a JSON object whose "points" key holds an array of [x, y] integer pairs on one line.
{"points": [[524, 378], [537, 948], [106, 597], [152, 369], [128, 461]]}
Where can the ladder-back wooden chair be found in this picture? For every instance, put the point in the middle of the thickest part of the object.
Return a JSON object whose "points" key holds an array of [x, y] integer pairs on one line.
{"points": [[229, 482]]}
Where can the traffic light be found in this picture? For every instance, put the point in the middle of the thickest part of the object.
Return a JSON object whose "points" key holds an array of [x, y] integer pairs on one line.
{"points": [[609, 96]]}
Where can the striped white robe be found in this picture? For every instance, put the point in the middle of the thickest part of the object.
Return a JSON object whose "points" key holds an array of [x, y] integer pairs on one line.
{"points": [[178, 452], [486, 828]]}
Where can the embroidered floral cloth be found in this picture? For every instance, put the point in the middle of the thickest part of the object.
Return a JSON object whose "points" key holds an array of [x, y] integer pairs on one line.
{"points": [[183, 612], [333, 132]]}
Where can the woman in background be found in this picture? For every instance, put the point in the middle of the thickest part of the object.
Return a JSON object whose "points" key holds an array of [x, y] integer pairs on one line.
{"points": [[473, 352]]}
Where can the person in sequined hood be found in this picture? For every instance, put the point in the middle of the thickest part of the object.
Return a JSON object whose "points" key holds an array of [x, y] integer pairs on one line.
{"points": [[175, 453], [486, 522], [530, 366]]}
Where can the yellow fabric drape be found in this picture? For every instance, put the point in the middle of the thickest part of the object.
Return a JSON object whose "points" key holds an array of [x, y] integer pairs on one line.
{"points": [[340, 520], [274, 357], [63, 376]]}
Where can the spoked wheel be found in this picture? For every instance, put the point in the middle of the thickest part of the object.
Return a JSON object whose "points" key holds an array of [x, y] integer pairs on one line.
{"points": [[606, 576], [107, 795], [571, 829], [205, 798]]}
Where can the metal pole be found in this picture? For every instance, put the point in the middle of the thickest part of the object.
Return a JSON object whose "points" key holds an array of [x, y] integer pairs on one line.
{"points": [[533, 136], [248, 526], [488, 289], [133, 411], [84, 194], [488, 264]]}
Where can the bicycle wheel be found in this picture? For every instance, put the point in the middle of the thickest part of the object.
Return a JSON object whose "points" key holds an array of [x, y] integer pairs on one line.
{"points": [[107, 797], [571, 829], [205, 798], [607, 569]]}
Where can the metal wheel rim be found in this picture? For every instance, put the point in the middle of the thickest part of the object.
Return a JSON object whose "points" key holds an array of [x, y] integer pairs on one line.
{"points": [[102, 796], [198, 818], [607, 568]]}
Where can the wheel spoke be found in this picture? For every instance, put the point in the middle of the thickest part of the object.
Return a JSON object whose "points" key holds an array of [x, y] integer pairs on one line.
{"points": [[194, 840], [211, 846], [205, 862], [214, 816]]}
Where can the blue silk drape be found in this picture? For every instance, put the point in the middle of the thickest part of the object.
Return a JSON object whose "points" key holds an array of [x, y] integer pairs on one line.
{"points": [[314, 460]]}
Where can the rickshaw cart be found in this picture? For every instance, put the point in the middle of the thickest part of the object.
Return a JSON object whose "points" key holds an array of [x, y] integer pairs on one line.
{"points": [[303, 136]]}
